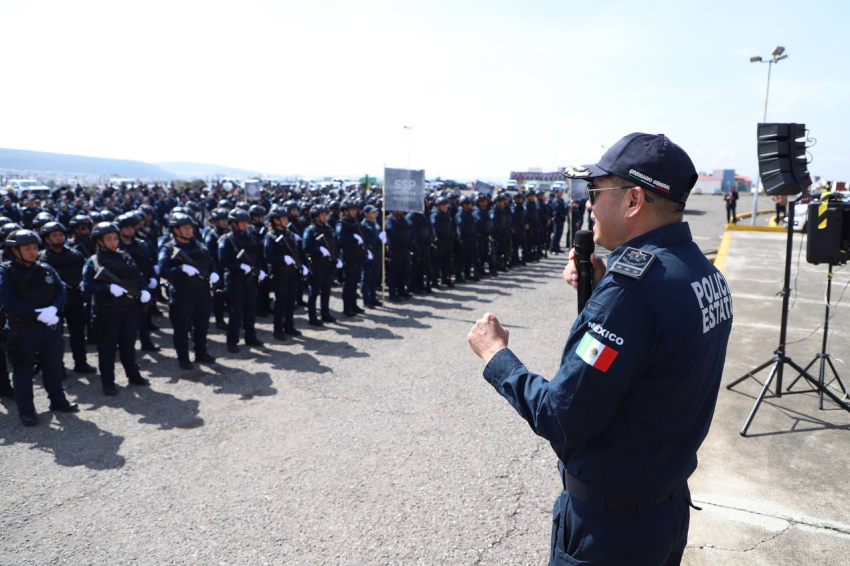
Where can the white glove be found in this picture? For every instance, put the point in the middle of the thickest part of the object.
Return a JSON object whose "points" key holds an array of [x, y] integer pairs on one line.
{"points": [[145, 297], [245, 267], [152, 283], [304, 271], [52, 321], [296, 236], [214, 277], [117, 290], [188, 270], [156, 269], [358, 238], [369, 255], [262, 275], [47, 314], [288, 260], [339, 264], [324, 251], [383, 237]]}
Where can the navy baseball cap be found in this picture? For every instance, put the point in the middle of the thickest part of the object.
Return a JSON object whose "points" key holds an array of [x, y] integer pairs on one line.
{"points": [[369, 208], [652, 162]]}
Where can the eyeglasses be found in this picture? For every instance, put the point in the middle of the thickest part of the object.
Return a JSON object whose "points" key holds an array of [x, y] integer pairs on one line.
{"points": [[592, 190]]}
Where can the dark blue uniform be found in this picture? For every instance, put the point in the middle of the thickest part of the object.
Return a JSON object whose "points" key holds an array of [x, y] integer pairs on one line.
{"points": [[372, 267], [285, 276], [445, 234], [399, 243], [352, 248], [22, 290], [142, 253], [116, 319], [468, 234], [68, 263], [559, 216], [191, 302], [322, 268], [421, 276], [211, 238], [241, 287], [484, 228], [631, 403]]}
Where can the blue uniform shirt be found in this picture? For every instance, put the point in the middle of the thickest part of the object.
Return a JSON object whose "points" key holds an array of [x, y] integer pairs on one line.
{"points": [[636, 389]]}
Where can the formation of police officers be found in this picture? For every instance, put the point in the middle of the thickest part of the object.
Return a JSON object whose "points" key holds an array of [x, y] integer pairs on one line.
{"points": [[98, 264]]}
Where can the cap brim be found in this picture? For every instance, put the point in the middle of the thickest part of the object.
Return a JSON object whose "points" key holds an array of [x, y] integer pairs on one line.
{"points": [[584, 172]]}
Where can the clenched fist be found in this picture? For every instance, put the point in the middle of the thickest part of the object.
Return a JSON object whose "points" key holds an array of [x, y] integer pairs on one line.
{"points": [[487, 337]]}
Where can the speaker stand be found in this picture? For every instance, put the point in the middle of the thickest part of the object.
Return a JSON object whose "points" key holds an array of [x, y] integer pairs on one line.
{"points": [[779, 359], [823, 356]]}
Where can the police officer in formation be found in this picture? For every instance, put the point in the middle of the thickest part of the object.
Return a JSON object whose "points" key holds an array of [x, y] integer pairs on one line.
{"points": [[32, 294], [120, 254], [68, 263], [189, 269], [285, 267], [116, 286], [320, 248], [240, 254]]}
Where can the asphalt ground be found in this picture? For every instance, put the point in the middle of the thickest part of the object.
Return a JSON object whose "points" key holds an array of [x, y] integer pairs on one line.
{"points": [[377, 441]]}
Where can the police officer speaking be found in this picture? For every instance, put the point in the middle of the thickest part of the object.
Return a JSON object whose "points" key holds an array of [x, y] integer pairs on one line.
{"points": [[637, 385]]}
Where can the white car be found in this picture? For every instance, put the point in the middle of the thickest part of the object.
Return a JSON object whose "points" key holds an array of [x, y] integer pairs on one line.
{"points": [[801, 211], [31, 186]]}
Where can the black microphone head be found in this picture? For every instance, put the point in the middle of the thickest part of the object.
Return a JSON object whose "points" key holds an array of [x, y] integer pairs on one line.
{"points": [[584, 242]]}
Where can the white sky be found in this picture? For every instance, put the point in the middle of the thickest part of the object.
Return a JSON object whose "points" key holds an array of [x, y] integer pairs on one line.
{"points": [[326, 87]]}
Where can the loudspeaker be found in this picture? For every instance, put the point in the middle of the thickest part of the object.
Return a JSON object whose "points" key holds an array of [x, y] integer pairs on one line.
{"points": [[782, 158], [828, 230]]}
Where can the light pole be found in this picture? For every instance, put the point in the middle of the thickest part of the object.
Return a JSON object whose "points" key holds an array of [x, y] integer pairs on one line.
{"points": [[777, 56], [408, 129]]}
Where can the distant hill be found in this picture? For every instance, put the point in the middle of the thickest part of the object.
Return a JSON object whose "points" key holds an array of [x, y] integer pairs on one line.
{"points": [[62, 163], [190, 170]]}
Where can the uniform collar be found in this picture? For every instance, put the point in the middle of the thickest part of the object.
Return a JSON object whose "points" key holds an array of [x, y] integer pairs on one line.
{"points": [[668, 235]]}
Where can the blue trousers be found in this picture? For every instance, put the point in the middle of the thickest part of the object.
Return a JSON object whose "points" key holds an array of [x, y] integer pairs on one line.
{"points": [[371, 280], [399, 265], [321, 278], [46, 346], [352, 269], [76, 318], [285, 297], [242, 308], [190, 312], [588, 533], [119, 327], [557, 234]]}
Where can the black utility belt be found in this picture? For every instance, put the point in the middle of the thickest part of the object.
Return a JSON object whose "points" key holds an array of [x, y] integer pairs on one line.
{"points": [[26, 325], [584, 492]]}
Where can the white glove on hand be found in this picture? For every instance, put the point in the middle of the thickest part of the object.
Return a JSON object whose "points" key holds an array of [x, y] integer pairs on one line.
{"points": [[117, 290], [214, 277], [156, 269], [369, 255], [304, 271], [245, 267], [296, 236], [47, 315], [288, 260], [262, 275], [146, 297], [359, 239], [339, 264], [188, 270], [324, 251], [152, 283], [383, 237]]}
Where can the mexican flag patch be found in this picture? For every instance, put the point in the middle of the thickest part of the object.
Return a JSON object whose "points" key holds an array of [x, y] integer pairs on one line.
{"points": [[595, 353]]}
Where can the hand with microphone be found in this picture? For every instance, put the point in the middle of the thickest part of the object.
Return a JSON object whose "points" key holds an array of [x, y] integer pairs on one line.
{"points": [[585, 269]]}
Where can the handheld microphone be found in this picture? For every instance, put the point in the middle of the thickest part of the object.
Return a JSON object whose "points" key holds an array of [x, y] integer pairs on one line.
{"points": [[584, 246]]}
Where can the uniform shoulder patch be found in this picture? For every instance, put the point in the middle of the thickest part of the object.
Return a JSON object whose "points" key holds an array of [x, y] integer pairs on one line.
{"points": [[633, 263]]}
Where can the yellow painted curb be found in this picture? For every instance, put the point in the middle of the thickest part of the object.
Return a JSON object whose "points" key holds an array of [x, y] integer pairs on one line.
{"points": [[720, 258], [750, 214], [748, 228]]}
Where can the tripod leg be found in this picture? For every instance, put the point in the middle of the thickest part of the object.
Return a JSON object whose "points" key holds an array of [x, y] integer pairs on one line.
{"points": [[751, 373], [836, 378], [760, 398], [820, 387], [799, 377], [821, 380]]}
